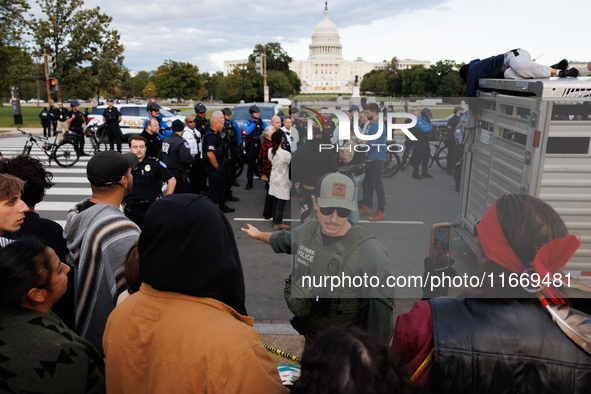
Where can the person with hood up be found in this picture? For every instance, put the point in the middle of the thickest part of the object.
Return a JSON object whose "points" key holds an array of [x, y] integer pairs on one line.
{"points": [[187, 328]]}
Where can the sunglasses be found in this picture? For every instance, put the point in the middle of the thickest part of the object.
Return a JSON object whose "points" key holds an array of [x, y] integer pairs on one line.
{"points": [[190, 121], [341, 212]]}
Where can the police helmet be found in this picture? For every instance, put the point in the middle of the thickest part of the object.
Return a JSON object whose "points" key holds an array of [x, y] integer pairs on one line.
{"points": [[74, 103], [426, 113], [226, 111], [254, 108], [153, 107], [353, 108], [200, 108]]}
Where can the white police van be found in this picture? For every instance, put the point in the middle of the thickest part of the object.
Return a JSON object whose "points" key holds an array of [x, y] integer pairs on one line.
{"points": [[132, 117]]}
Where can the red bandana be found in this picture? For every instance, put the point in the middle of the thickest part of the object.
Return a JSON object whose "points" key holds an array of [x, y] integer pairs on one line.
{"points": [[551, 257]]}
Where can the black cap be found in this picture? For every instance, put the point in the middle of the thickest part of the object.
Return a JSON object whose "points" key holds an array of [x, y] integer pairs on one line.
{"points": [[111, 100], [107, 167], [178, 125]]}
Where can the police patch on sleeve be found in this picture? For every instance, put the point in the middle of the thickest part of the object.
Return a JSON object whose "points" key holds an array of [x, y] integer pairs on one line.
{"points": [[211, 148], [162, 163], [187, 145]]}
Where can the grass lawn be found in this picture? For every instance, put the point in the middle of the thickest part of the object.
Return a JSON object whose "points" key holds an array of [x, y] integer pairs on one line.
{"points": [[30, 116]]}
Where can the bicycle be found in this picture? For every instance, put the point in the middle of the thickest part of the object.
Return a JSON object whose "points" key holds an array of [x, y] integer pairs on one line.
{"points": [[63, 153], [96, 140], [438, 154], [392, 164]]}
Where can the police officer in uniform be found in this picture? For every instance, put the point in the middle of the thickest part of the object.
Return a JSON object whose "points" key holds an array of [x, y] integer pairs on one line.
{"points": [[217, 154], [112, 117], [332, 246], [201, 124], [234, 139], [176, 154], [148, 177], [75, 120], [253, 128]]}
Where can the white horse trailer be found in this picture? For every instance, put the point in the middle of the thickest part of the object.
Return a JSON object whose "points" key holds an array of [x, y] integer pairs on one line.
{"points": [[533, 137]]}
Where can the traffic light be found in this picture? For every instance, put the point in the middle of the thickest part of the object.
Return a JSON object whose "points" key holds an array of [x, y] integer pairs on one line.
{"points": [[52, 65], [53, 84], [258, 63]]}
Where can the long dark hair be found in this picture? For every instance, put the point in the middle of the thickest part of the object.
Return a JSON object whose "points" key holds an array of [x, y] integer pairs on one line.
{"points": [[348, 359], [24, 264], [276, 139]]}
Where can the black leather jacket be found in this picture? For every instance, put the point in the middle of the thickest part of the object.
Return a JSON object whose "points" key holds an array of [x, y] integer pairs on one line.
{"points": [[485, 346]]}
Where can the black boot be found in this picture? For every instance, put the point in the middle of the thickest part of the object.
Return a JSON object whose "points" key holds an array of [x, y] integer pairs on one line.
{"points": [[571, 72], [416, 175], [561, 65]]}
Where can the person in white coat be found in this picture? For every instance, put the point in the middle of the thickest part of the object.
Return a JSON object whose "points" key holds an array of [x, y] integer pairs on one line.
{"points": [[279, 183]]}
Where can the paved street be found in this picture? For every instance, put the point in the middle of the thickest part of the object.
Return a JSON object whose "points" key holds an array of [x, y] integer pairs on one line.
{"points": [[412, 207]]}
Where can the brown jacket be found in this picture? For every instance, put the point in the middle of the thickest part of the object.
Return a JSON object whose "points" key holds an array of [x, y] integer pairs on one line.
{"points": [[163, 342]]}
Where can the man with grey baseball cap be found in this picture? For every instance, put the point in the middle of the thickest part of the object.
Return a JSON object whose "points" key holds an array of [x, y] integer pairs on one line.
{"points": [[98, 236], [330, 246]]}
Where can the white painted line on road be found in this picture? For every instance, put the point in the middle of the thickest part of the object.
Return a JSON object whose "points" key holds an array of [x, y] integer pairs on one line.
{"points": [[70, 179], [55, 206], [361, 221], [69, 191]]}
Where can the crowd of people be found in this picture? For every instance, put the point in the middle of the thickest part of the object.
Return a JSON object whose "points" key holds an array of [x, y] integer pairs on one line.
{"points": [[142, 299]]}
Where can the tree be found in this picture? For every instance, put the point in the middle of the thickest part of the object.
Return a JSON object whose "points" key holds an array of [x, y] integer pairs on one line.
{"points": [[12, 24], [133, 86], [178, 80], [277, 58], [79, 38], [230, 87], [211, 82], [150, 90]]}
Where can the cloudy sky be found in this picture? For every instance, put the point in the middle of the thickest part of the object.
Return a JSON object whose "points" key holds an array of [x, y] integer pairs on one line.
{"points": [[206, 32]]}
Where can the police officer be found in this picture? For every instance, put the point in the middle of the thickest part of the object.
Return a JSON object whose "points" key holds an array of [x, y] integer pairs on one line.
{"points": [[154, 112], [148, 177], [201, 124], [176, 154], [45, 122], [112, 117], [234, 139], [217, 154], [332, 246], [254, 129], [75, 120]]}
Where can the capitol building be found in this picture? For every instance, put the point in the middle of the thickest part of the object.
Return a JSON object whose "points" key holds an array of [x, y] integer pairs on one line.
{"points": [[325, 70]]}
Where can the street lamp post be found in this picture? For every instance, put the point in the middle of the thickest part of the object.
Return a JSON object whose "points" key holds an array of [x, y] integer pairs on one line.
{"points": [[243, 72]]}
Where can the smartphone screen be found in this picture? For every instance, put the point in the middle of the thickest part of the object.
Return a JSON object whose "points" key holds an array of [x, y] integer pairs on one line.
{"points": [[440, 252]]}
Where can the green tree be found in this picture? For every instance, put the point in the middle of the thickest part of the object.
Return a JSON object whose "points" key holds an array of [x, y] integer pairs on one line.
{"points": [[12, 24], [133, 86], [211, 82], [277, 58], [444, 79], [230, 87], [79, 38], [178, 80]]}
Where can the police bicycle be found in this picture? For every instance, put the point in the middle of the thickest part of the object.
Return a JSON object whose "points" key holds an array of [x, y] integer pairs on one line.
{"points": [[64, 153], [241, 161], [392, 164], [438, 153], [96, 139]]}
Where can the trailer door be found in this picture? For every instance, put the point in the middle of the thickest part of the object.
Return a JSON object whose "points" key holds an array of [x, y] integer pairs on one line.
{"points": [[499, 153]]}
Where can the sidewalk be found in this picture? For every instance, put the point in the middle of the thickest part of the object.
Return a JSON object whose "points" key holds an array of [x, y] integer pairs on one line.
{"points": [[13, 132]]}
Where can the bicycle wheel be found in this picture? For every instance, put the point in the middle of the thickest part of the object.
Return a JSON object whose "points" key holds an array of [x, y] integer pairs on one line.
{"points": [[27, 149], [441, 158], [238, 166], [65, 155], [90, 147], [392, 165], [406, 158]]}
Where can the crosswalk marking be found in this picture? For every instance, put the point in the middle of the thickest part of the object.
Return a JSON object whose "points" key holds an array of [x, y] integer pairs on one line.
{"points": [[71, 184]]}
